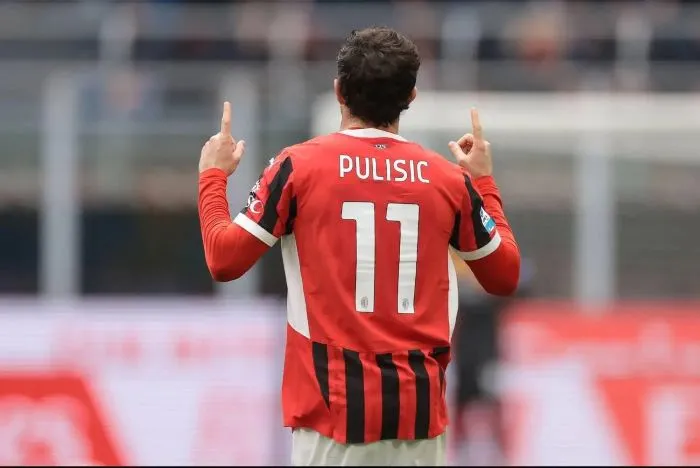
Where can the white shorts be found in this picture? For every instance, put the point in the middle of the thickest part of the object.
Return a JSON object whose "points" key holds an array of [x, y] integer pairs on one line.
{"points": [[309, 448]]}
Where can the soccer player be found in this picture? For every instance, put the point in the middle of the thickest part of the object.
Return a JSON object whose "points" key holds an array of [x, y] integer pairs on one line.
{"points": [[365, 219]]}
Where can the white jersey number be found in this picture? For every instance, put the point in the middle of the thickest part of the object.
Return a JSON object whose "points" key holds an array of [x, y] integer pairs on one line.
{"points": [[363, 215]]}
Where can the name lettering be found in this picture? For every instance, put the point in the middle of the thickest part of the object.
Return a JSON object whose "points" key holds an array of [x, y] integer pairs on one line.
{"points": [[369, 168]]}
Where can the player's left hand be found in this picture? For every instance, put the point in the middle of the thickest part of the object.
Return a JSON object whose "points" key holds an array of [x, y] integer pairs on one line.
{"points": [[222, 151], [472, 151]]}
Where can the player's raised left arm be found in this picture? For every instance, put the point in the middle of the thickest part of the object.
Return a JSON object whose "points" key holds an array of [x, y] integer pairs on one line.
{"points": [[498, 270], [229, 248], [482, 236]]}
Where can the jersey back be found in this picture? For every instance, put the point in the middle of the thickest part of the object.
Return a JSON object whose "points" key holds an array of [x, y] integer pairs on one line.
{"points": [[365, 220], [374, 219]]}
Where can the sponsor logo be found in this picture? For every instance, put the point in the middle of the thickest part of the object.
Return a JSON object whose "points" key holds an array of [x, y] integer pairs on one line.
{"points": [[254, 205], [487, 221]]}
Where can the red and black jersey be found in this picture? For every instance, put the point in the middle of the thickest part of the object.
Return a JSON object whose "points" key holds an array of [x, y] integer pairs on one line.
{"points": [[366, 220]]}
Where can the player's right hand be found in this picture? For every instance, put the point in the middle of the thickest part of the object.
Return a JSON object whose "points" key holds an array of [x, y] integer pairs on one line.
{"points": [[472, 152], [222, 151]]}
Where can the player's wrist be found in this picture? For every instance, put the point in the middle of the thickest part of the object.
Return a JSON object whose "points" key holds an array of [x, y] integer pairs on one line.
{"points": [[212, 171], [475, 173], [485, 184], [480, 174]]}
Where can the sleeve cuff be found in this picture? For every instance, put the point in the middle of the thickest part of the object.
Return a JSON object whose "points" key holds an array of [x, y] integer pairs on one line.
{"points": [[255, 229], [485, 183], [213, 173]]}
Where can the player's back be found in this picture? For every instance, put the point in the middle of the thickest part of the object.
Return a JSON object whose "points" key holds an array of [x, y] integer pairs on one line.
{"points": [[371, 287]]}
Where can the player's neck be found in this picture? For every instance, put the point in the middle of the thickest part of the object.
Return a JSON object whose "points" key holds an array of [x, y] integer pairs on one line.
{"points": [[352, 123]]}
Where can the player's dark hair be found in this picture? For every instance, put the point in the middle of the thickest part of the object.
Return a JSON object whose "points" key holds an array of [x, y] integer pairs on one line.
{"points": [[377, 70]]}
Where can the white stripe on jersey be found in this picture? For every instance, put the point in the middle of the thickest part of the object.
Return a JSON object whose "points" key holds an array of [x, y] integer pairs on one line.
{"points": [[452, 294], [255, 229], [296, 301], [488, 249]]}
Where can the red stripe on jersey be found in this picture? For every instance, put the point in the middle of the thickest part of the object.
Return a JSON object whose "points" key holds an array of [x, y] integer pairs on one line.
{"points": [[370, 397], [373, 405], [407, 397], [302, 398]]}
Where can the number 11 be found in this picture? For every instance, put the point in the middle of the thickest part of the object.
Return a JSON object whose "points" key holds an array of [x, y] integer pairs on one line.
{"points": [[405, 214]]}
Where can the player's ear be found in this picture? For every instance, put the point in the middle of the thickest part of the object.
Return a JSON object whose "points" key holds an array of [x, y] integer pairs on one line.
{"points": [[413, 95], [338, 95]]}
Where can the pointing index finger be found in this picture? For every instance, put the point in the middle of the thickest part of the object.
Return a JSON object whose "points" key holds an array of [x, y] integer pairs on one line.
{"points": [[476, 125], [226, 119]]}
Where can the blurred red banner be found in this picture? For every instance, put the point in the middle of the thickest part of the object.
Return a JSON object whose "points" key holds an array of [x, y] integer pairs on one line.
{"points": [[618, 385]]}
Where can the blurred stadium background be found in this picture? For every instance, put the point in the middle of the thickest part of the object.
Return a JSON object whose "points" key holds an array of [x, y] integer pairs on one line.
{"points": [[117, 348]]}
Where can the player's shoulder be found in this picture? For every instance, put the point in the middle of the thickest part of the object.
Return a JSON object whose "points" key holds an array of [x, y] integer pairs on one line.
{"points": [[448, 169], [301, 152], [316, 143]]}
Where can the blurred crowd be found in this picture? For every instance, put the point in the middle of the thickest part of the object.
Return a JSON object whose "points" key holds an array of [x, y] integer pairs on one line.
{"points": [[147, 78], [615, 37]]}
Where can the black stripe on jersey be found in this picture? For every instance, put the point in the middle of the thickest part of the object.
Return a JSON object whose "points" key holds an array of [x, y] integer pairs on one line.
{"points": [[292, 215], [436, 353], [439, 351], [454, 238], [252, 193], [416, 359], [319, 351], [390, 397], [355, 397], [481, 235], [270, 216]]}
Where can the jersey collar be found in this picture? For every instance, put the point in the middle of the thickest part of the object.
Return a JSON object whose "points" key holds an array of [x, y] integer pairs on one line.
{"points": [[371, 133]]}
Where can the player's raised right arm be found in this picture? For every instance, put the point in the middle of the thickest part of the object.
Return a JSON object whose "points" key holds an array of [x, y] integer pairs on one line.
{"points": [[232, 247], [229, 249]]}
